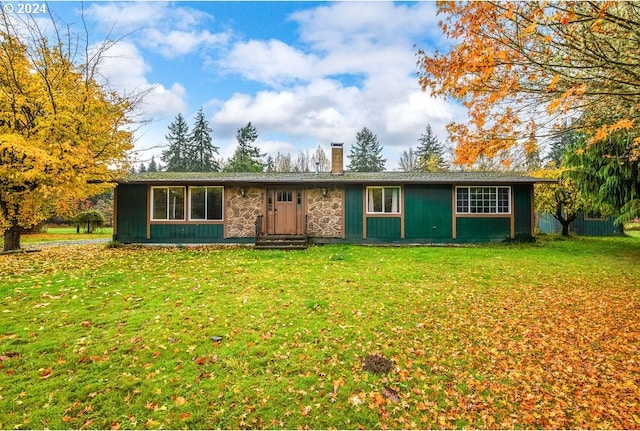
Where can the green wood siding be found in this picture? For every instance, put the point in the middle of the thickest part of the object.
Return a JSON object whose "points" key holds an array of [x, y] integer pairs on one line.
{"points": [[353, 212], [521, 206], [383, 228], [427, 211], [131, 213], [202, 233], [471, 229], [580, 226]]}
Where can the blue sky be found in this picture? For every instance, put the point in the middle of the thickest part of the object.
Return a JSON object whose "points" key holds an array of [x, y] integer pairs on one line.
{"points": [[304, 73]]}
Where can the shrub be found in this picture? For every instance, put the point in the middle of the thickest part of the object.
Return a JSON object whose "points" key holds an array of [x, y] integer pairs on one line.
{"points": [[91, 219], [114, 244]]}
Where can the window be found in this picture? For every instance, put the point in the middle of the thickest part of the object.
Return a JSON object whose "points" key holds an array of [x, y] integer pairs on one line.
{"points": [[593, 215], [167, 203], [483, 200], [285, 196], [205, 203], [383, 200]]}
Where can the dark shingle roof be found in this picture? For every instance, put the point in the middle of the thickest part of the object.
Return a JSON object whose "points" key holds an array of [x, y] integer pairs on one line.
{"points": [[327, 178]]}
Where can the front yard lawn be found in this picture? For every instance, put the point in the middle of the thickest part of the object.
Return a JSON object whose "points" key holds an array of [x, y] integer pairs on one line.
{"points": [[542, 335]]}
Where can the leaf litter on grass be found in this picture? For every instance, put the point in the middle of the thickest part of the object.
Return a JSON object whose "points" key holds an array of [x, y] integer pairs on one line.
{"points": [[121, 338]]}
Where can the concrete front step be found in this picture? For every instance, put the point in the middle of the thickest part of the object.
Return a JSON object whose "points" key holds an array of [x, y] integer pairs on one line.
{"points": [[281, 242]]}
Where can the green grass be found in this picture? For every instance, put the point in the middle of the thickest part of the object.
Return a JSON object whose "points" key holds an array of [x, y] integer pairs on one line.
{"points": [[538, 335], [56, 234]]}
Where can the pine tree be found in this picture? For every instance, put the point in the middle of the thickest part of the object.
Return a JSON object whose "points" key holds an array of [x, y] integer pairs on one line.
{"points": [[176, 156], [202, 152], [366, 154], [153, 166], [271, 165], [430, 152], [247, 157]]}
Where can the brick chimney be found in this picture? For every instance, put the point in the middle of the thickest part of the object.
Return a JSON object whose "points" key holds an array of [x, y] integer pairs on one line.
{"points": [[336, 159]]}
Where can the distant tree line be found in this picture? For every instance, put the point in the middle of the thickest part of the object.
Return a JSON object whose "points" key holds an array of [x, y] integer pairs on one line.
{"points": [[193, 151]]}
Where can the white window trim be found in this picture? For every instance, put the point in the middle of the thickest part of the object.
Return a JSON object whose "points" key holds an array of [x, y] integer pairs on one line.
{"points": [[205, 204], [382, 212], [152, 204], [477, 214]]}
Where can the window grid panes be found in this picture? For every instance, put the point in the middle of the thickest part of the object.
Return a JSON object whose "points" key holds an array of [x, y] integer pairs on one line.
{"points": [[167, 203], [383, 200], [483, 200], [285, 196]]}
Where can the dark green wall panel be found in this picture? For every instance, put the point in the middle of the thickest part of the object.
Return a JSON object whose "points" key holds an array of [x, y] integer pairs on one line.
{"points": [[131, 215], [427, 211], [581, 226], [483, 229], [383, 228], [522, 211], [191, 232], [353, 212]]}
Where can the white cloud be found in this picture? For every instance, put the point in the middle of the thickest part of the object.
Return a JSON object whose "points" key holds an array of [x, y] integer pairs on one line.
{"points": [[371, 47], [353, 65], [178, 43], [271, 62], [124, 69], [127, 16], [172, 31]]}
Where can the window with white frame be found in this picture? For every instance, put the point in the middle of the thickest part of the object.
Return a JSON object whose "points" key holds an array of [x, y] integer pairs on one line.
{"points": [[483, 200], [167, 203], [383, 200], [205, 203]]}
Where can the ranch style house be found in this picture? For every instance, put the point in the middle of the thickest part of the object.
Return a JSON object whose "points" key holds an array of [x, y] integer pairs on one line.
{"points": [[324, 207]]}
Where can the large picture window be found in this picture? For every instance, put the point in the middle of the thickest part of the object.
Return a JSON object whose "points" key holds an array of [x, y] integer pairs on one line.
{"points": [[383, 200], [483, 200], [205, 203], [167, 203]]}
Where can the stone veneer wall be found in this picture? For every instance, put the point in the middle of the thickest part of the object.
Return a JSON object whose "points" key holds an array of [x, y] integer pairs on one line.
{"points": [[325, 213], [241, 212]]}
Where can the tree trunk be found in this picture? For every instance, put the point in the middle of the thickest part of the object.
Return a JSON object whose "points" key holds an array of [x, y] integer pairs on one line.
{"points": [[12, 238], [564, 219]]}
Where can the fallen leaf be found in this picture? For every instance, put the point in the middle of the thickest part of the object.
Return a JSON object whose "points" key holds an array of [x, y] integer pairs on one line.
{"points": [[355, 400], [390, 394]]}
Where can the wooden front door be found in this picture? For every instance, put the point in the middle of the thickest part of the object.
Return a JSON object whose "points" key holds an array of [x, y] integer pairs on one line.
{"points": [[285, 212]]}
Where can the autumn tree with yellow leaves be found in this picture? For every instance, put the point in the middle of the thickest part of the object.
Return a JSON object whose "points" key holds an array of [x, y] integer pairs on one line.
{"points": [[523, 68], [62, 134]]}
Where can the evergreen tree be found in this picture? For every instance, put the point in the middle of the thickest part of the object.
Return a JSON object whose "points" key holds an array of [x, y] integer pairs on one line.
{"points": [[202, 152], [247, 157], [608, 174], [176, 156], [430, 152], [568, 138], [142, 169], [366, 154], [271, 165], [153, 166]]}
